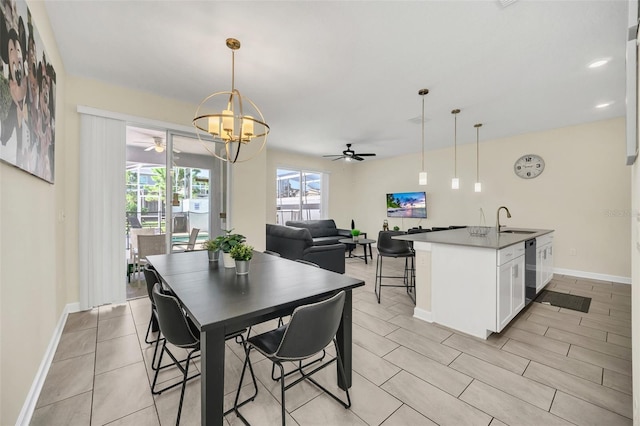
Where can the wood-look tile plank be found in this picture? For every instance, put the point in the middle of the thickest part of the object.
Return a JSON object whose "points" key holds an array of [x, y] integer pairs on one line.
{"points": [[480, 350], [530, 326], [514, 384], [433, 403], [507, 408], [572, 328], [440, 376], [423, 328], [573, 366], [539, 309], [406, 415], [623, 315], [374, 309], [371, 341], [375, 369], [594, 393], [618, 365], [617, 381], [589, 343], [621, 300], [613, 328], [595, 304], [372, 323], [581, 412], [434, 350], [543, 342], [623, 291], [619, 340]]}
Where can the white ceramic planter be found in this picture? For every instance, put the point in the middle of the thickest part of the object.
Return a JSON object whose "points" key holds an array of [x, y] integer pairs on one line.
{"points": [[228, 260]]}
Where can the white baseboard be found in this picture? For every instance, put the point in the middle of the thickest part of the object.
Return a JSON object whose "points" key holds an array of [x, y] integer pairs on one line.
{"points": [[592, 275], [24, 418], [422, 314]]}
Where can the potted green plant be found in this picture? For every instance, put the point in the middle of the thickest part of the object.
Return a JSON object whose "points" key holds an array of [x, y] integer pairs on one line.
{"points": [[242, 254], [355, 233], [396, 228], [212, 247], [226, 242]]}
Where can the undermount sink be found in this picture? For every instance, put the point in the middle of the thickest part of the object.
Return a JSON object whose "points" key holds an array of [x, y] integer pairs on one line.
{"points": [[517, 231]]}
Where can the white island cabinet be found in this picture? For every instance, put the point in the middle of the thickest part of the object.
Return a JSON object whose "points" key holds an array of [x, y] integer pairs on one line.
{"points": [[472, 284], [510, 284]]}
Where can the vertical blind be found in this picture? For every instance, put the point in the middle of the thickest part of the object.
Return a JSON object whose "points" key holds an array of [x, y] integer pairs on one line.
{"points": [[101, 212]]}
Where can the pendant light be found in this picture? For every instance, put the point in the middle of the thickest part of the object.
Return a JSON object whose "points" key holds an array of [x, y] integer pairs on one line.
{"points": [[455, 182], [231, 120], [422, 177], [478, 185]]}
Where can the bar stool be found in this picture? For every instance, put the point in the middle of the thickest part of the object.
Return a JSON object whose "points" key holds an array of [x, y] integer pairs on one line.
{"points": [[388, 247]]}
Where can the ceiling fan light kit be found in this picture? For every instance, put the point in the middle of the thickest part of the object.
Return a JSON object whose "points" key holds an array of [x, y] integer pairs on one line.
{"points": [[229, 124], [350, 155]]}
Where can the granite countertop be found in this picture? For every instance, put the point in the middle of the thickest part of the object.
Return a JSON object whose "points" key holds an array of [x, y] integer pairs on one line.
{"points": [[462, 237]]}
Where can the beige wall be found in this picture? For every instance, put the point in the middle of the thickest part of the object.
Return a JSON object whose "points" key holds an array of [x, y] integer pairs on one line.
{"points": [[32, 252], [583, 193], [340, 206]]}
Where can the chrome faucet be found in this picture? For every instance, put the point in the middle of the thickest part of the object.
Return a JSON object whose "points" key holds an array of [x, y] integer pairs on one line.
{"points": [[498, 217]]}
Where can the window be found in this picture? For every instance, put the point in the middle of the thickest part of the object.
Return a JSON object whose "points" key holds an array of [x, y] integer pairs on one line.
{"points": [[300, 195]]}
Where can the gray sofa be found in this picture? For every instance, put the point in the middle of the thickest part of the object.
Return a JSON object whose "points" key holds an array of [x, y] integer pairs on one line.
{"points": [[323, 231], [296, 243]]}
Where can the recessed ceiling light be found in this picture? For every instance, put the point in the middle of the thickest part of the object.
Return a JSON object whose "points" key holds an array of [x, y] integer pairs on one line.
{"points": [[598, 63], [604, 105]]}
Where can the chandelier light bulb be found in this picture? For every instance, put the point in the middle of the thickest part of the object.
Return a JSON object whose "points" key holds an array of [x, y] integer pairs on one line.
{"points": [[455, 183], [478, 187]]}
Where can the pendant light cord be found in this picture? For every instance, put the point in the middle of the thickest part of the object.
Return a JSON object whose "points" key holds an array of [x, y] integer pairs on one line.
{"points": [[455, 113], [477, 153], [423, 133]]}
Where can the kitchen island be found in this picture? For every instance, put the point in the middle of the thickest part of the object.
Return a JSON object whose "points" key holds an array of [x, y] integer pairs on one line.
{"points": [[476, 284]]}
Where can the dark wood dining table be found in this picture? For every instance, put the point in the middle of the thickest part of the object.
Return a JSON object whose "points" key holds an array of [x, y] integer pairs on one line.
{"points": [[221, 302]]}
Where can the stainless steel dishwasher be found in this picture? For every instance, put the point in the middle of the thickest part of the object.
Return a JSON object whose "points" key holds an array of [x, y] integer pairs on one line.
{"points": [[530, 270]]}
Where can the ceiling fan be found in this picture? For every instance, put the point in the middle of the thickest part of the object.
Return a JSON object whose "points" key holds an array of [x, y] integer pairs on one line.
{"points": [[349, 154], [159, 145]]}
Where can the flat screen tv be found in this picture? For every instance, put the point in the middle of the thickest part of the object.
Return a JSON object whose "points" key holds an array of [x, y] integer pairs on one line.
{"points": [[407, 204]]}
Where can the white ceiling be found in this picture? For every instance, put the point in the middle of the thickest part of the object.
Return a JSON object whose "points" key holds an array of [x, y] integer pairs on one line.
{"points": [[327, 73]]}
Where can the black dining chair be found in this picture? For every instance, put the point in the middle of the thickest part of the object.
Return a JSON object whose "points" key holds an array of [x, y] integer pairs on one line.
{"points": [[392, 248], [272, 253], [151, 277], [311, 329], [178, 329]]}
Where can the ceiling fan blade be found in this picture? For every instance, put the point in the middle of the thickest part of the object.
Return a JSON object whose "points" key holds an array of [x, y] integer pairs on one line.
{"points": [[357, 157], [334, 155], [339, 158], [366, 155], [150, 148]]}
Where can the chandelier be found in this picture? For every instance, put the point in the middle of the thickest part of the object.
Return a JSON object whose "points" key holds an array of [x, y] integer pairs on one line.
{"points": [[231, 120]]}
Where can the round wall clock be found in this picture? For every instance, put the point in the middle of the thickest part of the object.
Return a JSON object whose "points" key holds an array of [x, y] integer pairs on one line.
{"points": [[529, 166]]}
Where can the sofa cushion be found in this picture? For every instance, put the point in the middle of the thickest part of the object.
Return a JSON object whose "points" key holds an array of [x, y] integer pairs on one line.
{"points": [[323, 241], [318, 228]]}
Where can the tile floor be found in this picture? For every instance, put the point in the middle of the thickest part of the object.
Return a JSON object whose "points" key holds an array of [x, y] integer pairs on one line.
{"points": [[551, 366]]}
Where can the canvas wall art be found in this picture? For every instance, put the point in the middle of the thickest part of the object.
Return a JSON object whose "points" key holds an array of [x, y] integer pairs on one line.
{"points": [[27, 94]]}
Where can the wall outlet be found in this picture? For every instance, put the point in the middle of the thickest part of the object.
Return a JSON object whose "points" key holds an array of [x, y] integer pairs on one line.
{"points": [[572, 252]]}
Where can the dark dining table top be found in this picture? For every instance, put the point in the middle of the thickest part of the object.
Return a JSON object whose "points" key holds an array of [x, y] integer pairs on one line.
{"points": [[214, 295]]}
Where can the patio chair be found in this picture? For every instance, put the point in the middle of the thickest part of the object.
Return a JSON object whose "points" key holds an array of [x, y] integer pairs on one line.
{"points": [[149, 245]]}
